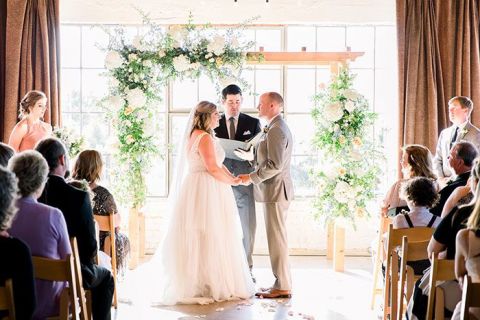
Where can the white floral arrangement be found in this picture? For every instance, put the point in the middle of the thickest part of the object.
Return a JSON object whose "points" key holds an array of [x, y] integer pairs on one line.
{"points": [[348, 177], [73, 142], [139, 70]]}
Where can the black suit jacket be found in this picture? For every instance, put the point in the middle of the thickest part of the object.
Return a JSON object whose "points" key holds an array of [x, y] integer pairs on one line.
{"points": [[247, 128], [459, 181], [77, 209]]}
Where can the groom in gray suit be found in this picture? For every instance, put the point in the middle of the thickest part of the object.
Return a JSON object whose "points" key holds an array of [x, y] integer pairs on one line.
{"points": [[239, 126], [274, 188], [459, 110]]}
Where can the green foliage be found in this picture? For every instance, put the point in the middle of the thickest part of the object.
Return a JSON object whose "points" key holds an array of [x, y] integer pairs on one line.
{"points": [[349, 171], [137, 73]]}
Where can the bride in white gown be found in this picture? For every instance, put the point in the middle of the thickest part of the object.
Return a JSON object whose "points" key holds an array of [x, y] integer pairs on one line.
{"points": [[201, 258]]}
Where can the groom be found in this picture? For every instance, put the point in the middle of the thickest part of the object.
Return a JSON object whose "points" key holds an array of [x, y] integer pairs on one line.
{"points": [[239, 126], [274, 188]]}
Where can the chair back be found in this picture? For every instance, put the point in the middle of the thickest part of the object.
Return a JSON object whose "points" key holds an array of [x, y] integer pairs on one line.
{"points": [[394, 240], [7, 302], [411, 251], [470, 297], [441, 270], [59, 270], [108, 223], [84, 301]]}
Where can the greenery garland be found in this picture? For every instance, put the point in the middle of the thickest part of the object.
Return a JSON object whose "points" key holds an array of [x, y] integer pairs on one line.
{"points": [[139, 70], [348, 174]]}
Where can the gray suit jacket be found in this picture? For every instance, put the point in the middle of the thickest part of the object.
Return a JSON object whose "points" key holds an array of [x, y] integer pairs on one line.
{"points": [[273, 154], [440, 162]]}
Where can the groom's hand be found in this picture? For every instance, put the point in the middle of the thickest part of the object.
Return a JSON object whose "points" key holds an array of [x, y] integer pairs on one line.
{"points": [[245, 179]]}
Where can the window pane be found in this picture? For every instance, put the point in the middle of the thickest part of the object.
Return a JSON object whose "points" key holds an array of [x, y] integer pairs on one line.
{"points": [[177, 124], [330, 39], [94, 88], [72, 121], [70, 46], [269, 39], [361, 39], [207, 90], [300, 89], [386, 47], [95, 131], [92, 55], [363, 83], [300, 167], [70, 82], [303, 130], [323, 77], [156, 178], [267, 80], [248, 95], [299, 37], [185, 94]]}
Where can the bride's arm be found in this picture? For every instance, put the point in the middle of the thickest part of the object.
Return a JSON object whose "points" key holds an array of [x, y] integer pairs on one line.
{"points": [[227, 172], [207, 153]]}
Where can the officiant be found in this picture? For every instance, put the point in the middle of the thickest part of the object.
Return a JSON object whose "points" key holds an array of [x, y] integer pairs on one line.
{"points": [[236, 125]]}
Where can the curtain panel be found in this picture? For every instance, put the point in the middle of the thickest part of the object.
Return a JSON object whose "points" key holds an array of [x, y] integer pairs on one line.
{"points": [[30, 50]]}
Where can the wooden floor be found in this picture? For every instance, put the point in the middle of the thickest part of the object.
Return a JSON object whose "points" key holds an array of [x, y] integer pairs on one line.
{"points": [[318, 293]]}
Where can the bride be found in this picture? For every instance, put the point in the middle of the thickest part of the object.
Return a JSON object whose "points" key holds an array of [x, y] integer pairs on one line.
{"points": [[201, 258]]}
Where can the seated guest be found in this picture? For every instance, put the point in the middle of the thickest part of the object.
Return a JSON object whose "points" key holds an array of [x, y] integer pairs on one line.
{"points": [[460, 196], [76, 208], [459, 111], [461, 160], [443, 244], [6, 152], [467, 257], [42, 227], [16, 258], [89, 166], [416, 161], [30, 129]]}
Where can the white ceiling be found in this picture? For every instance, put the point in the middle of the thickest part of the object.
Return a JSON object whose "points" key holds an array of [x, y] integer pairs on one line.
{"points": [[228, 12]]}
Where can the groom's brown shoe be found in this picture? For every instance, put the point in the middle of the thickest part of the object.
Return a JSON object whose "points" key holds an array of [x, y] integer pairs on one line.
{"points": [[274, 293]]}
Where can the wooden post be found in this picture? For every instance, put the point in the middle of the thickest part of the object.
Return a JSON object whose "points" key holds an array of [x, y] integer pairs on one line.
{"points": [[141, 226], [330, 239], [339, 249], [133, 234]]}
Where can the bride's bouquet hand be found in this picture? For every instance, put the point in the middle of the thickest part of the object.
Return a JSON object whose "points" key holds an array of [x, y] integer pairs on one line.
{"points": [[236, 181]]}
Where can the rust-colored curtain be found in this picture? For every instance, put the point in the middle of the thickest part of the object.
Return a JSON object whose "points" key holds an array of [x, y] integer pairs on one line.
{"points": [[31, 51], [438, 54]]}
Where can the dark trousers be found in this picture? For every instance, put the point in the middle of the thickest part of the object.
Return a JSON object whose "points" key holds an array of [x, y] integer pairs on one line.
{"points": [[102, 286]]}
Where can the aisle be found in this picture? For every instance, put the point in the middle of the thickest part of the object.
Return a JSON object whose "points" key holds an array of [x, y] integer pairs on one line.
{"points": [[318, 293]]}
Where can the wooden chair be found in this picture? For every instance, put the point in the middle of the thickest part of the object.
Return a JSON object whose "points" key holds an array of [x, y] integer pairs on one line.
{"points": [[85, 298], [7, 302], [470, 297], [394, 240], [441, 270], [411, 251], [59, 270], [108, 224], [377, 267]]}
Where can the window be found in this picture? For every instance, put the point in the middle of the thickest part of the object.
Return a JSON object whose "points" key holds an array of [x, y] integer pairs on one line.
{"points": [[83, 86]]}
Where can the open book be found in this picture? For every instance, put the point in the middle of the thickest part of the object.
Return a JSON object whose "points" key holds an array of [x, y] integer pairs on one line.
{"points": [[239, 150]]}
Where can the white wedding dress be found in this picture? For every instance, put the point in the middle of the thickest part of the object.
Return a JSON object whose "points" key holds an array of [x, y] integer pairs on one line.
{"points": [[201, 258]]}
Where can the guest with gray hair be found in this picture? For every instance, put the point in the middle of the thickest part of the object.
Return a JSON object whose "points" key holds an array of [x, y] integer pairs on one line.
{"points": [[6, 152], [41, 226], [16, 258]]}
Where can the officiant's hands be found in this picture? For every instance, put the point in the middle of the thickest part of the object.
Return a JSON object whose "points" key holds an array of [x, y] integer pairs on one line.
{"points": [[245, 178]]}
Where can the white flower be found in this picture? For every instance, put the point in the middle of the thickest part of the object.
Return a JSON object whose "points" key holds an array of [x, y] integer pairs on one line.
{"points": [[208, 55], [234, 42], [142, 114], [137, 43], [350, 94], [149, 129], [350, 106], [178, 34], [194, 66], [211, 59], [129, 139], [147, 63], [127, 123], [136, 98], [331, 171], [356, 156], [113, 60], [341, 191], [161, 53], [181, 63], [216, 46], [132, 57], [352, 204], [115, 102], [113, 82], [333, 112], [357, 142]]}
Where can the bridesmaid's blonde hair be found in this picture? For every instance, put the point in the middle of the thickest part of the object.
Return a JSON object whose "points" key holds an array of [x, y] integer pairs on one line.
{"points": [[202, 118]]}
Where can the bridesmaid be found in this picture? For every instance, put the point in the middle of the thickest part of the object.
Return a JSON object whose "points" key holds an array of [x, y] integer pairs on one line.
{"points": [[31, 128]]}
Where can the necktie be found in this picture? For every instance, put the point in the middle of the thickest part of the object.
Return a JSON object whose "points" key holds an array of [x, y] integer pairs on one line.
{"points": [[232, 128], [454, 137]]}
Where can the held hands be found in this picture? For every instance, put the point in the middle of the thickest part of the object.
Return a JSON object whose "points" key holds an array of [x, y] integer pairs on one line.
{"points": [[245, 178]]}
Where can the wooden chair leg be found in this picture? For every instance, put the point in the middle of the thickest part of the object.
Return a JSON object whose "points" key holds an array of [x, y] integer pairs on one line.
{"points": [[439, 304]]}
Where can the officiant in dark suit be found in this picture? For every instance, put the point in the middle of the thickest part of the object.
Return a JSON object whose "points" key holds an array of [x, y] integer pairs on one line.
{"points": [[239, 126]]}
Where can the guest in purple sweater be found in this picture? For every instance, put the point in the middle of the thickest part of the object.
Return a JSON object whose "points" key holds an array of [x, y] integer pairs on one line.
{"points": [[42, 227]]}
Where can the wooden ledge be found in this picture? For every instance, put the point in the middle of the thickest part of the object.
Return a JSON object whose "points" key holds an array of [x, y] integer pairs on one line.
{"points": [[299, 58]]}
